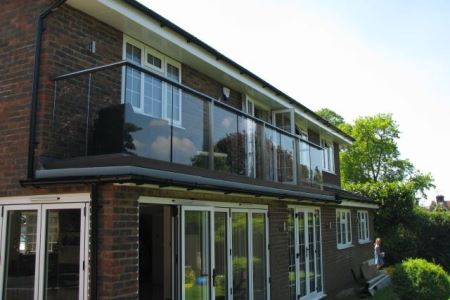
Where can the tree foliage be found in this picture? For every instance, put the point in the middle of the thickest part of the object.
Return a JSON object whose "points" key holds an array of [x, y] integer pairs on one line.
{"points": [[374, 155], [331, 116]]}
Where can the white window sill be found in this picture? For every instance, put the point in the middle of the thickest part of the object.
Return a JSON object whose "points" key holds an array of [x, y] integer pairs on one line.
{"points": [[329, 172], [344, 246], [362, 242]]}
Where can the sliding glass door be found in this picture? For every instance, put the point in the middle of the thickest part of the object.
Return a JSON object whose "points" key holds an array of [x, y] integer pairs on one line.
{"points": [[224, 254], [42, 251]]}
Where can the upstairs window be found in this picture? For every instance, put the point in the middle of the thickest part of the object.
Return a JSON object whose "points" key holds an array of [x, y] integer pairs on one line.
{"points": [[343, 228], [328, 155], [147, 94], [363, 226]]}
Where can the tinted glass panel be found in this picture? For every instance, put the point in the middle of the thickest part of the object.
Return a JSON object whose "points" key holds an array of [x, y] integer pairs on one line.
{"points": [[62, 254], [190, 142]]}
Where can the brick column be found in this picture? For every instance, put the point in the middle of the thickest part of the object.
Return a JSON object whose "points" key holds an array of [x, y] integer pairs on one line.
{"points": [[118, 244]]}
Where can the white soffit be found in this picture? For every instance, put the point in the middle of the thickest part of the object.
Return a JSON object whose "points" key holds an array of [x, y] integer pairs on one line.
{"points": [[138, 25]]}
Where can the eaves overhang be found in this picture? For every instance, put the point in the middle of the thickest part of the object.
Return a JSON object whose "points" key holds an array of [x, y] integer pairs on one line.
{"points": [[190, 46]]}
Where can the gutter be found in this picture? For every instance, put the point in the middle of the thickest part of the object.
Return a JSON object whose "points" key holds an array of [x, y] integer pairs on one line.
{"points": [[35, 84]]}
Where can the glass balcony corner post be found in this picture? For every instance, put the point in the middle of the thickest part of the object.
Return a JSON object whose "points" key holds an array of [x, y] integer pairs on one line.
{"points": [[297, 164], [171, 121], [264, 153], [294, 161], [88, 108]]}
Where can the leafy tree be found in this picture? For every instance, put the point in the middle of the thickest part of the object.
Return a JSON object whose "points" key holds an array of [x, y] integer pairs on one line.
{"points": [[331, 116], [374, 155]]}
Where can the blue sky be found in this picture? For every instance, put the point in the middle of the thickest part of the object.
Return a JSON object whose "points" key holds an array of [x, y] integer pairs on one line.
{"points": [[358, 58]]}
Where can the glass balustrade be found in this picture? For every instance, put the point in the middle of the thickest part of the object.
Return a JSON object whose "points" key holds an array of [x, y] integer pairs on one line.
{"points": [[130, 110]]}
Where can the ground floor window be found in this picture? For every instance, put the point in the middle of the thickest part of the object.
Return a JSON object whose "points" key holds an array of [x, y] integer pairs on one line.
{"points": [[305, 252], [343, 228], [363, 226], [209, 252], [42, 251]]}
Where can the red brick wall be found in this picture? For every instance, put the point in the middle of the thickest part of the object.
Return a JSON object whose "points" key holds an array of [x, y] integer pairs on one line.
{"points": [[17, 33], [65, 49], [118, 243], [338, 263], [209, 86], [279, 254]]}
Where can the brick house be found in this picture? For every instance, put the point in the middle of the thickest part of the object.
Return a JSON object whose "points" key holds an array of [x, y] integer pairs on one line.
{"points": [[137, 162]]}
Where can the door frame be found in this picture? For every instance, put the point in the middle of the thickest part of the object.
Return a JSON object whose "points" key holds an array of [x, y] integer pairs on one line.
{"points": [[38, 202], [215, 206], [210, 248], [43, 238], [6, 210], [305, 209]]}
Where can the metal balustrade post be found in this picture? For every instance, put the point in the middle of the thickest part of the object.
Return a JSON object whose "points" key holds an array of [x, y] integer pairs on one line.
{"points": [[88, 110]]}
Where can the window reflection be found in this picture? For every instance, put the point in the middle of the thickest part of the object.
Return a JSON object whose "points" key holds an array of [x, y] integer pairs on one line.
{"points": [[62, 277]]}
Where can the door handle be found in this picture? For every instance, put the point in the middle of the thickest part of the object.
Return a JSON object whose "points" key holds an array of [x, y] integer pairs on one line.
{"points": [[214, 275]]}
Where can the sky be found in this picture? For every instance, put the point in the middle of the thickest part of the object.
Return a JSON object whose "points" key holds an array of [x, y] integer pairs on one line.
{"points": [[356, 57]]}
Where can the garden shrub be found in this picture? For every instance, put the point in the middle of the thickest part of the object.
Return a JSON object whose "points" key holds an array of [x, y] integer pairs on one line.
{"points": [[420, 280], [432, 229]]}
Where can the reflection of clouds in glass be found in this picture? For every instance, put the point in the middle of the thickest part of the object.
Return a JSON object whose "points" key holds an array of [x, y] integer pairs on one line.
{"points": [[140, 146], [183, 149], [157, 122], [226, 123]]}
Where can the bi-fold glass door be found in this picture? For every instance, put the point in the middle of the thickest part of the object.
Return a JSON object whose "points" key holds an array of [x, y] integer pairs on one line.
{"points": [[305, 247], [224, 254], [42, 251]]}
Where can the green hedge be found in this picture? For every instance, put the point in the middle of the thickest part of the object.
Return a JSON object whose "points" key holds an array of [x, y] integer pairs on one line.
{"points": [[433, 236], [420, 280]]}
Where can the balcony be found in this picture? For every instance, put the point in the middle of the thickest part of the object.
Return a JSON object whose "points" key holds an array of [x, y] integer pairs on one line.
{"points": [[125, 109]]}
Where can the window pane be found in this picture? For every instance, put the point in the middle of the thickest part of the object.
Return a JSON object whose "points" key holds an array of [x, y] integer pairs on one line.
{"points": [[62, 264], [173, 73], [197, 243], [20, 256], [240, 256], [259, 256], [133, 87], [153, 60], [152, 96], [133, 53]]}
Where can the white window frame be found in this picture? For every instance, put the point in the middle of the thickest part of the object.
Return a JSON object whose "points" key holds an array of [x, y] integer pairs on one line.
{"points": [[363, 226], [344, 217], [328, 155], [162, 71]]}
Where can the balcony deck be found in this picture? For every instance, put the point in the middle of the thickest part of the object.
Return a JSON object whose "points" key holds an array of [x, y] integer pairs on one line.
{"points": [[104, 122]]}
